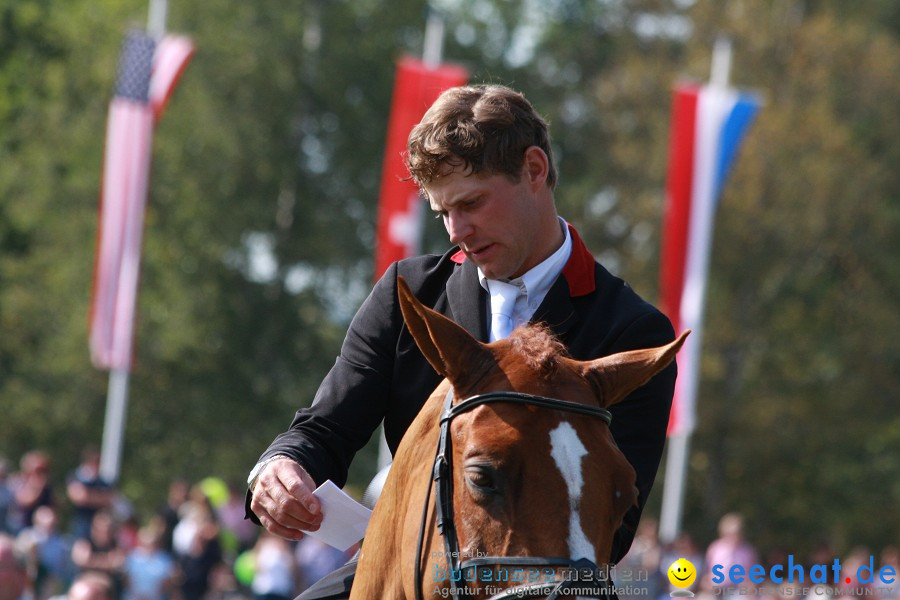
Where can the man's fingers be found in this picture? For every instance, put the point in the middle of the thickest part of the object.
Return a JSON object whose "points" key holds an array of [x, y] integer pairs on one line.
{"points": [[283, 500], [273, 526], [282, 509], [300, 485]]}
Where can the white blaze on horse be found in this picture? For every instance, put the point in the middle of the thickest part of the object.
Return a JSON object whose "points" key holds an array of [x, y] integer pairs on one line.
{"points": [[508, 478]]}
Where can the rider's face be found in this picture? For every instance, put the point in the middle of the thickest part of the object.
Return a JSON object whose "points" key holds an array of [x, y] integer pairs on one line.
{"points": [[499, 222]]}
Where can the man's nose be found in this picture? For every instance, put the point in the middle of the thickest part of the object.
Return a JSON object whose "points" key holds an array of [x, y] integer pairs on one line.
{"points": [[458, 226]]}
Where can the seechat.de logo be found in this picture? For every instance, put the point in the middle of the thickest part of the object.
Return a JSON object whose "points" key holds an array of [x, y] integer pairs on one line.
{"points": [[681, 575]]}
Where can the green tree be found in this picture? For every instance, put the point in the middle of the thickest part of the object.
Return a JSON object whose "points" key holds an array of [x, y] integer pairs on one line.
{"points": [[260, 226]]}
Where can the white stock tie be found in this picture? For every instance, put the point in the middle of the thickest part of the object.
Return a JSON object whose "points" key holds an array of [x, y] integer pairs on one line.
{"points": [[503, 299]]}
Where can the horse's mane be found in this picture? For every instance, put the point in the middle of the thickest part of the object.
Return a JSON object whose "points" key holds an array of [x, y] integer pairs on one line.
{"points": [[539, 348]]}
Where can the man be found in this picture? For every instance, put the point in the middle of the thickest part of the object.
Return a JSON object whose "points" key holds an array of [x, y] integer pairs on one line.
{"points": [[31, 488], [13, 576], [88, 492], [92, 586], [482, 157]]}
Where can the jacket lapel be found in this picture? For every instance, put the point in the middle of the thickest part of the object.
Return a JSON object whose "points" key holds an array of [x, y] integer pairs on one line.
{"points": [[468, 300], [556, 311], [576, 279]]}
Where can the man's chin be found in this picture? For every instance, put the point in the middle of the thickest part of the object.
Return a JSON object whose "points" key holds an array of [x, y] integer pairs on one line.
{"points": [[496, 275], [485, 269], [490, 268]]}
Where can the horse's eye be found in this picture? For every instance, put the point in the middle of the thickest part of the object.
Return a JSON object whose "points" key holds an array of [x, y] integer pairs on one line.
{"points": [[482, 479]]}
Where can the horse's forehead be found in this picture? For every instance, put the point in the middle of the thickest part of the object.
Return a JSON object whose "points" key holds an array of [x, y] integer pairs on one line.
{"points": [[562, 382], [509, 429], [501, 428], [493, 426]]}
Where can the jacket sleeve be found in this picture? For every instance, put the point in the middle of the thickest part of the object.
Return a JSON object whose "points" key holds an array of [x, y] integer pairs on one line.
{"points": [[352, 399], [640, 421]]}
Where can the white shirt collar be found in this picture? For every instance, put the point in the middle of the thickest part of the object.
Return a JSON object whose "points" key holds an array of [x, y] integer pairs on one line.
{"points": [[535, 283]]}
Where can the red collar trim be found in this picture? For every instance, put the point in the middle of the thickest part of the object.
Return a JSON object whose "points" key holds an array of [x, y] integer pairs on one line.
{"points": [[579, 269]]}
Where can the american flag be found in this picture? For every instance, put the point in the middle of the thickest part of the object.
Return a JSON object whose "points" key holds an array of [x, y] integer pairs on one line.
{"points": [[147, 73]]}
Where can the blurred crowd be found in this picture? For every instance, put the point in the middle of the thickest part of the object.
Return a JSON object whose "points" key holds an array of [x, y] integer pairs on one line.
{"points": [[649, 560], [81, 539]]}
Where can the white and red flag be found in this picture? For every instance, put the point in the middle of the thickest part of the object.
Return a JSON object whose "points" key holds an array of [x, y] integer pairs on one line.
{"points": [[169, 61], [708, 124], [147, 73], [399, 229]]}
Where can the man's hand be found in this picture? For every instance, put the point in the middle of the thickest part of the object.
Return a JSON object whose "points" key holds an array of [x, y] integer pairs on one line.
{"points": [[283, 499]]}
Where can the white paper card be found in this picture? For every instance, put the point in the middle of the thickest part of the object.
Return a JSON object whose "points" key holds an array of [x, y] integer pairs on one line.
{"points": [[344, 520]]}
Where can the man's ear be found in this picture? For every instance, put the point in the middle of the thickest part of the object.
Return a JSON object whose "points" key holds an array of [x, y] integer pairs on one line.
{"points": [[536, 166]]}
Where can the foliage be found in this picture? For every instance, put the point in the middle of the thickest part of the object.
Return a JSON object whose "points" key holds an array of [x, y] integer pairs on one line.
{"points": [[260, 228]]}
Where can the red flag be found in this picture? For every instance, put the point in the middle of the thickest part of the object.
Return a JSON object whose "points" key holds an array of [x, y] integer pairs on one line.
{"points": [[399, 230], [678, 202], [143, 84]]}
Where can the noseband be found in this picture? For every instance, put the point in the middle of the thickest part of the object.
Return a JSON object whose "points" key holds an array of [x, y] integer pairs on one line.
{"points": [[443, 477]]}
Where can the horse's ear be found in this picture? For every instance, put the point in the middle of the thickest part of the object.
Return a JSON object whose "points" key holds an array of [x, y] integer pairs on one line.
{"points": [[618, 375], [449, 348]]}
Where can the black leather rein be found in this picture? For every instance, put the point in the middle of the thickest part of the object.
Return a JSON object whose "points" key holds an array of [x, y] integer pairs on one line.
{"points": [[443, 478]]}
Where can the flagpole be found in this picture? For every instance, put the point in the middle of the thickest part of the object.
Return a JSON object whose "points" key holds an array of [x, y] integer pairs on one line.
{"points": [[678, 452], [119, 377], [114, 424], [156, 18], [433, 45]]}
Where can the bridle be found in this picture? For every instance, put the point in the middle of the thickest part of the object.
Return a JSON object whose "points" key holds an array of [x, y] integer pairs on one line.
{"points": [[443, 478]]}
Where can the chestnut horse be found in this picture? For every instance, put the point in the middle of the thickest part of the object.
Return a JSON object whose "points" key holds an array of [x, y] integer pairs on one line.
{"points": [[526, 480]]}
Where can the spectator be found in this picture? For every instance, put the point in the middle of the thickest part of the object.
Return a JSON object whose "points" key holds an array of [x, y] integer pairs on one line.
{"points": [[890, 557], [730, 548], [92, 586], [13, 578], [31, 488], [172, 509], [196, 545], [6, 495], [275, 577], [149, 570], [100, 551], [822, 554], [317, 559], [850, 565], [683, 546], [231, 515], [643, 559], [128, 535], [49, 553], [88, 492]]}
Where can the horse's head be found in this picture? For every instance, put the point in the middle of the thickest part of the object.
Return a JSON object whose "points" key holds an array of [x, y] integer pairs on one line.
{"points": [[530, 480], [527, 478]]}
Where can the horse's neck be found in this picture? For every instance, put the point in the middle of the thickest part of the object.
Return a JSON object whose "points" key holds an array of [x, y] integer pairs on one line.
{"points": [[389, 548]]}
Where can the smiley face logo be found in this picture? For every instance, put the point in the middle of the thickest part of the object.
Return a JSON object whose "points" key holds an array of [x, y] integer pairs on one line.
{"points": [[682, 573]]}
